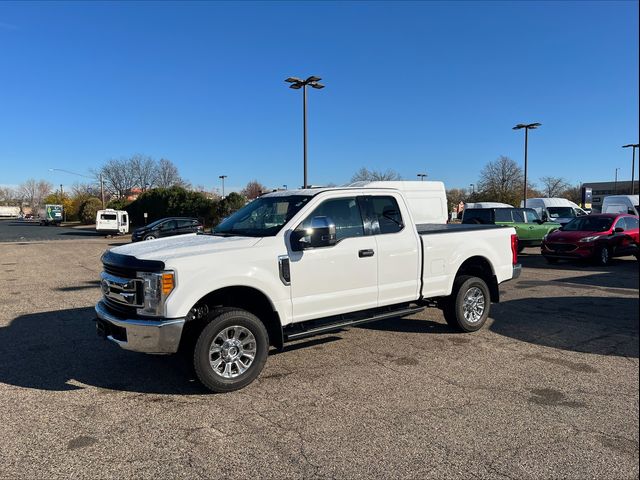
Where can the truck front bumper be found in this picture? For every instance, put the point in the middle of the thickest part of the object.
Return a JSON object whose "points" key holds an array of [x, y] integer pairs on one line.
{"points": [[147, 336]]}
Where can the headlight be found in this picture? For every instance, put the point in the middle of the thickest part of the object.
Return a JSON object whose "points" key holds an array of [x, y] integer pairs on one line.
{"points": [[156, 288], [589, 239]]}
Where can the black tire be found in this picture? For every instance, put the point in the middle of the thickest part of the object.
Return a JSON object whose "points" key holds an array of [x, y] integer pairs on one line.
{"points": [[551, 260], [215, 380], [602, 256], [149, 237], [453, 310]]}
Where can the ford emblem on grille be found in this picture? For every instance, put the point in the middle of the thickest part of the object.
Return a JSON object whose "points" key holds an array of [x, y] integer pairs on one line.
{"points": [[104, 285]]}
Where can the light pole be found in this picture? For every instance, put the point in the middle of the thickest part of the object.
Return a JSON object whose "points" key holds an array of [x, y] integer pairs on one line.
{"points": [[222, 177], [85, 176], [633, 163], [422, 175], [473, 188], [296, 84], [615, 184], [527, 127]]}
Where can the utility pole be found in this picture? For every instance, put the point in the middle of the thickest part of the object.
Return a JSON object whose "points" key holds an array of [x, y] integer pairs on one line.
{"points": [[615, 184]]}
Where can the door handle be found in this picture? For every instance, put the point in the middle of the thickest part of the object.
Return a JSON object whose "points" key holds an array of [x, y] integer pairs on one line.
{"points": [[365, 253]]}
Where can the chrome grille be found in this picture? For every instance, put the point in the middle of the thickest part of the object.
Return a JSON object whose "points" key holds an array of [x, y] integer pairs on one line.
{"points": [[123, 292]]}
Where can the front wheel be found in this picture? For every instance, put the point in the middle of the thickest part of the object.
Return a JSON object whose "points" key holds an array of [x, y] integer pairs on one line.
{"points": [[231, 350], [602, 256], [150, 237], [467, 309]]}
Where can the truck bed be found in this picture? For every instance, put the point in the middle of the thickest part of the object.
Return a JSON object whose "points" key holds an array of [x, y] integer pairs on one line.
{"points": [[430, 228]]}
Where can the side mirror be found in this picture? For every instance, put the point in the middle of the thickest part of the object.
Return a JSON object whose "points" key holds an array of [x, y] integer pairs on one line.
{"points": [[322, 233], [619, 230]]}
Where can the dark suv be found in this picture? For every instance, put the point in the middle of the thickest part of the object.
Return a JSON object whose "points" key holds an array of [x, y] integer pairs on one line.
{"points": [[166, 227]]}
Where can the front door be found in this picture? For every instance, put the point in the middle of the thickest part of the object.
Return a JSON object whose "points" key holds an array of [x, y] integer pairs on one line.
{"points": [[340, 278]]}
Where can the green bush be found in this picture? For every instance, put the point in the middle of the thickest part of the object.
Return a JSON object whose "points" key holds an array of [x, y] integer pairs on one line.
{"points": [[118, 204], [88, 210]]}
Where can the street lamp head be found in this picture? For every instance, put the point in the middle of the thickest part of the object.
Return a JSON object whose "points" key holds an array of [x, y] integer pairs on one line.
{"points": [[312, 79], [634, 145], [296, 86], [222, 176], [529, 126], [293, 80], [319, 86]]}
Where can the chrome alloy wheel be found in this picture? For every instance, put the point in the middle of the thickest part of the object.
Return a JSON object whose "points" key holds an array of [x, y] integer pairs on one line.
{"points": [[473, 305], [232, 351]]}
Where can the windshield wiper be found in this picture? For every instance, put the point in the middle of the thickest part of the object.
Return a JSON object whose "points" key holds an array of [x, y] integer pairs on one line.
{"points": [[225, 234]]}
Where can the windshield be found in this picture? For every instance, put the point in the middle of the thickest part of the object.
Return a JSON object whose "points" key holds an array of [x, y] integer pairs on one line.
{"points": [[264, 217], [561, 212], [589, 224]]}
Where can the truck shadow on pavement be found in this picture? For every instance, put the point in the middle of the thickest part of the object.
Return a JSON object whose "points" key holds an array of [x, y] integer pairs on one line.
{"points": [[60, 351], [589, 324]]}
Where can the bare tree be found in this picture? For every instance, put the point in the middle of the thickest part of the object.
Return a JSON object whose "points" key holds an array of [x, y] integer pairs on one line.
{"points": [[366, 175], [501, 181], [8, 196], [553, 186], [253, 189], [33, 191], [119, 177], [145, 171], [457, 195], [573, 193], [167, 175], [85, 190]]}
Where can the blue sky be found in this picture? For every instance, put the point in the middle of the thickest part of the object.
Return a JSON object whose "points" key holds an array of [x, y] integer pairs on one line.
{"points": [[418, 87]]}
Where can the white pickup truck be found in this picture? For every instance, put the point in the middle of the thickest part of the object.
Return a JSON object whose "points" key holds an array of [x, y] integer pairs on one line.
{"points": [[298, 263]]}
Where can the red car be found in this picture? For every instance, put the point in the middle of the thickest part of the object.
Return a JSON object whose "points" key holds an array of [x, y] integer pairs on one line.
{"points": [[596, 237]]}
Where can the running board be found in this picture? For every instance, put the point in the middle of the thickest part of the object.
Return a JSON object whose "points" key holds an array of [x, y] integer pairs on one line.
{"points": [[343, 323]]}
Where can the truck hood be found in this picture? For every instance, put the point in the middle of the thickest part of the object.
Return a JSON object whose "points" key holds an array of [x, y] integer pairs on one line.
{"points": [[181, 246]]}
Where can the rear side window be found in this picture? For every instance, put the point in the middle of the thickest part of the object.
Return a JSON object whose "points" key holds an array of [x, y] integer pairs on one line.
{"points": [[477, 215], [170, 225], [387, 214], [632, 223], [503, 215], [185, 223], [518, 215], [108, 216]]}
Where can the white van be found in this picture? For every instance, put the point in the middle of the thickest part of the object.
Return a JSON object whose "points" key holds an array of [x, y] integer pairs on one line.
{"points": [[112, 222], [620, 204], [471, 205], [427, 201], [559, 210]]}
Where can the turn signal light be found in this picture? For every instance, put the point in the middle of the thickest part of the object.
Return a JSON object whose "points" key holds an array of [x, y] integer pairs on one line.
{"points": [[167, 283]]}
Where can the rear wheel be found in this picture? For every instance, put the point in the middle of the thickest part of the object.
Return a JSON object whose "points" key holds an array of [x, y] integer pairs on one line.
{"points": [[231, 350], [467, 309]]}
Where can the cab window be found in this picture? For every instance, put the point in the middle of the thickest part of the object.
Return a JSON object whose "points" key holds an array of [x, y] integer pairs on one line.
{"points": [[632, 223], [345, 214], [532, 217], [386, 213]]}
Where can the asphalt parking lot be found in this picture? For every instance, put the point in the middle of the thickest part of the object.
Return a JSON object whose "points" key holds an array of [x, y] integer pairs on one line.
{"points": [[549, 389], [17, 230]]}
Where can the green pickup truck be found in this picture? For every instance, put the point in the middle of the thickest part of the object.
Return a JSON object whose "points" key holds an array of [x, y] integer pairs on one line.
{"points": [[529, 227]]}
